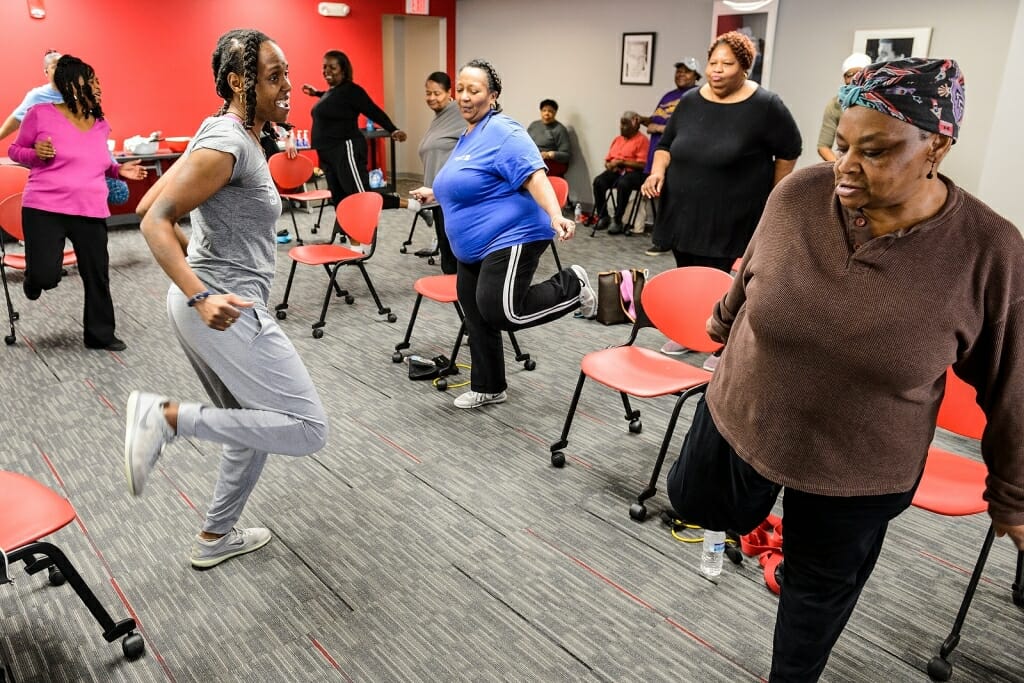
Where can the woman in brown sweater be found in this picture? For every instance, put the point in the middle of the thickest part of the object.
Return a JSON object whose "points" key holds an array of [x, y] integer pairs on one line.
{"points": [[863, 282]]}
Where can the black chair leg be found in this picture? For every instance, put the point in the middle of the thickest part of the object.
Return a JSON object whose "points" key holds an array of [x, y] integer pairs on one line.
{"points": [[1018, 582], [635, 425], [408, 240], [12, 315], [295, 225], [282, 307], [391, 317], [557, 455], [524, 358]]}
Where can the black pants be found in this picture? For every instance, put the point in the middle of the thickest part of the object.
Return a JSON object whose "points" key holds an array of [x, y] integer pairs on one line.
{"points": [[344, 169], [686, 259], [449, 266], [496, 295], [45, 233], [623, 184], [830, 543]]}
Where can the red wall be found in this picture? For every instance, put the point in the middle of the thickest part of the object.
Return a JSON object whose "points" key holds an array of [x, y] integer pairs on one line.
{"points": [[153, 56]]}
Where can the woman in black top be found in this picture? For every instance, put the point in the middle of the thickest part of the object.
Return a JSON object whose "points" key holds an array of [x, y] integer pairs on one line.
{"points": [[335, 134], [724, 148]]}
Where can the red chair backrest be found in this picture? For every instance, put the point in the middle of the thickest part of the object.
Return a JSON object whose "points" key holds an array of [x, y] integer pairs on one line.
{"points": [[12, 180], [10, 216], [561, 188], [679, 302], [289, 173], [358, 215], [959, 411]]}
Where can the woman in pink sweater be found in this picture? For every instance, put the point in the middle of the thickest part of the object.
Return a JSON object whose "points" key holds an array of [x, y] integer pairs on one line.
{"points": [[65, 147]]}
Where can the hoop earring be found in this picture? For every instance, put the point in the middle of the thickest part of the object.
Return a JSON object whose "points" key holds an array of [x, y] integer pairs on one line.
{"points": [[931, 171]]}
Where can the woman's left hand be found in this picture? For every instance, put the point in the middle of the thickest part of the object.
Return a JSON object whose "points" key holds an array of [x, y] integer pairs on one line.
{"points": [[564, 228], [289, 146], [133, 170], [399, 136]]}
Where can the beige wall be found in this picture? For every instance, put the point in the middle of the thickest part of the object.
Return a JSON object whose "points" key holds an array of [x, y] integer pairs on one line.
{"points": [[556, 50]]}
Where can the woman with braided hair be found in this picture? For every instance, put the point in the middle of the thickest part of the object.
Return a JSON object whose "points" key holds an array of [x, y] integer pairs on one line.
{"points": [[64, 146], [500, 213], [263, 399]]}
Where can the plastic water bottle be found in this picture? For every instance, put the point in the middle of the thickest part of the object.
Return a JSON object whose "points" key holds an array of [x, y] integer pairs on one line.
{"points": [[714, 550], [369, 124], [577, 212]]}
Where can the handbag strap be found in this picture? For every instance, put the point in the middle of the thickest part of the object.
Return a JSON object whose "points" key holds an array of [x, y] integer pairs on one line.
{"points": [[626, 294]]}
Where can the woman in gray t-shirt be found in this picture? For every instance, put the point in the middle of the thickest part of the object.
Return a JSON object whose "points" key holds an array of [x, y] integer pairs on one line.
{"points": [[263, 400]]}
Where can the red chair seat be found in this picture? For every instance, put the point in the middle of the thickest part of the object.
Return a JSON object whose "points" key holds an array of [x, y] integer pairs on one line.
{"points": [[951, 485], [440, 288], [29, 511], [322, 254], [642, 372], [308, 196]]}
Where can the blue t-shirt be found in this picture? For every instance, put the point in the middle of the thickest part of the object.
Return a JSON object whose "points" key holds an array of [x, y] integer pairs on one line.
{"points": [[44, 94], [480, 190]]}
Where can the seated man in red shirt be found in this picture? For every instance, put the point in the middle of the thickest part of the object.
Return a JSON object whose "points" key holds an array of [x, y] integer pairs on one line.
{"points": [[623, 172]]}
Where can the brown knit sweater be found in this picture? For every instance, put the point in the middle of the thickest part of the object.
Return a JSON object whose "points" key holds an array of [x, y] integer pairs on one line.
{"points": [[834, 367]]}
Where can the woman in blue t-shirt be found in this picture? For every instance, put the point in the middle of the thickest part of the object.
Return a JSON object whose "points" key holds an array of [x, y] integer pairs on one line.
{"points": [[500, 213]]}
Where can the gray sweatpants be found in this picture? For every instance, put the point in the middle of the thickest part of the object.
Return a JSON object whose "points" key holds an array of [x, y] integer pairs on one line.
{"points": [[263, 400]]}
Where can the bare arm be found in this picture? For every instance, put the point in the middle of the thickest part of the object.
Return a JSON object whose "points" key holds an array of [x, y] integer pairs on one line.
{"points": [[783, 167], [151, 195], [652, 186], [540, 189], [826, 153], [10, 125]]}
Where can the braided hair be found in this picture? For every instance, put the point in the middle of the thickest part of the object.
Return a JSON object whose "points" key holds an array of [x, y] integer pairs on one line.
{"points": [[238, 52], [71, 78], [493, 80]]}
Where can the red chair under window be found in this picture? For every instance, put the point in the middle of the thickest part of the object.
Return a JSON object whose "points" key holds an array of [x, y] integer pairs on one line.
{"points": [[29, 512], [954, 485], [677, 303], [292, 173], [10, 222], [358, 215]]}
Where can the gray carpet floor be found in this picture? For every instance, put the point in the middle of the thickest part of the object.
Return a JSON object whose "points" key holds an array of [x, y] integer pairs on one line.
{"points": [[424, 543]]}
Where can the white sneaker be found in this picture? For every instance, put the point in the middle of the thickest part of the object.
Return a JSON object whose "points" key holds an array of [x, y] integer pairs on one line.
{"points": [[206, 554], [146, 433], [673, 349], [475, 399], [588, 299]]}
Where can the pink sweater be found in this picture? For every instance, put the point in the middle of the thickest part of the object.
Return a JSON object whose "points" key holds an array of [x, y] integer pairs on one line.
{"points": [[73, 182]]}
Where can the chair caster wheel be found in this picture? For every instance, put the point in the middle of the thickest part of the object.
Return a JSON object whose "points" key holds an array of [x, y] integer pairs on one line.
{"points": [[56, 576], [939, 669], [442, 384], [281, 315], [636, 426], [132, 645], [530, 365], [403, 250], [349, 299], [392, 317], [9, 339], [396, 357], [638, 511], [558, 458], [16, 316], [318, 333], [431, 261]]}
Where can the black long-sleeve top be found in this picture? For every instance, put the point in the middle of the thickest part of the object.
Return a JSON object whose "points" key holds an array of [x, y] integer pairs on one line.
{"points": [[336, 116]]}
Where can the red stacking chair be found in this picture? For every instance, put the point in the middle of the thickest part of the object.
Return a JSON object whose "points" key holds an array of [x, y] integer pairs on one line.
{"points": [[441, 288], [677, 303], [12, 180], [358, 215], [291, 173], [10, 222], [953, 485], [29, 512]]}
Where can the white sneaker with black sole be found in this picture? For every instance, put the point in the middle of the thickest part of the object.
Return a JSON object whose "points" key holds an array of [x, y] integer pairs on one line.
{"points": [[588, 299]]}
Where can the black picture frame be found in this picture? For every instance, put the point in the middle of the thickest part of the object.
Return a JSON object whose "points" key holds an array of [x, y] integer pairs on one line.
{"points": [[637, 67]]}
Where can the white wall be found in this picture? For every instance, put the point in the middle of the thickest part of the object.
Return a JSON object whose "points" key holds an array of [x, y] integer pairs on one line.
{"points": [[570, 51]]}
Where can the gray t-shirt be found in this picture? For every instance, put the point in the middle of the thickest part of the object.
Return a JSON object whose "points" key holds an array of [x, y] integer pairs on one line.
{"points": [[233, 246], [439, 140]]}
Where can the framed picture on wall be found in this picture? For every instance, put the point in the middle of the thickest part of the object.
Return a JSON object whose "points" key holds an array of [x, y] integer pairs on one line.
{"points": [[887, 44], [754, 19], [637, 59]]}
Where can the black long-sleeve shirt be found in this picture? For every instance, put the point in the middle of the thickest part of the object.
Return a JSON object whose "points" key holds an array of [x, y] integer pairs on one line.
{"points": [[336, 116]]}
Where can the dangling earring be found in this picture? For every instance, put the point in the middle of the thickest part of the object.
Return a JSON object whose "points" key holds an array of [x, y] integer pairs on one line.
{"points": [[931, 171]]}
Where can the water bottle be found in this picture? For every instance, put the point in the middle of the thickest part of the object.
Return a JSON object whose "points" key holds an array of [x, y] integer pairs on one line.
{"points": [[369, 124], [577, 213], [305, 138], [714, 550]]}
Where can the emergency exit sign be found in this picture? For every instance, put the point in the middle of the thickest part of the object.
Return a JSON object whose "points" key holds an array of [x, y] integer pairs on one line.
{"points": [[417, 6]]}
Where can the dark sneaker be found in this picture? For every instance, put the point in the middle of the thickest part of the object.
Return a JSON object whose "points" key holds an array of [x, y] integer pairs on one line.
{"points": [[115, 345], [206, 554], [146, 434], [615, 227], [655, 250], [602, 223], [31, 291]]}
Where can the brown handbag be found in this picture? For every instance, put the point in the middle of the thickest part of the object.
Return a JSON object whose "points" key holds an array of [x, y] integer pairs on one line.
{"points": [[613, 305]]}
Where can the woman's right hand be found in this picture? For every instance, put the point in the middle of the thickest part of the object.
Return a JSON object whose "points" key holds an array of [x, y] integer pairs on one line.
{"points": [[424, 195], [219, 311], [45, 150], [309, 90], [652, 186]]}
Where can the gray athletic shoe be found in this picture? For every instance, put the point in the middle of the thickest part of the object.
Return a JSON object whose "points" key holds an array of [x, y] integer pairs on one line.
{"points": [[145, 435], [206, 554], [588, 299], [475, 399]]}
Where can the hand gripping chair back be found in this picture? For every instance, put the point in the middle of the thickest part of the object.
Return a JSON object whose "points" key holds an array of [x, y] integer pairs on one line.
{"points": [[289, 174], [954, 485]]}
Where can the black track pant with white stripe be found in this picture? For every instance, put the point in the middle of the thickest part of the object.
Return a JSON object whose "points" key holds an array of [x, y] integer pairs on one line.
{"points": [[496, 294], [344, 168]]}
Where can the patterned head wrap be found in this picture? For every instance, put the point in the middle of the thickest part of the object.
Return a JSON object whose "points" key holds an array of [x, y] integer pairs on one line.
{"points": [[927, 93]]}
